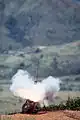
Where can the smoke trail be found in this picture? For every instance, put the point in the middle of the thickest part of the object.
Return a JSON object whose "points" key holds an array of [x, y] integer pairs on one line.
{"points": [[24, 87]]}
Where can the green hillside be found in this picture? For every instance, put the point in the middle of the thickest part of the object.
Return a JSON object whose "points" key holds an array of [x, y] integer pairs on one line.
{"points": [[60, 60], [38, 22]]}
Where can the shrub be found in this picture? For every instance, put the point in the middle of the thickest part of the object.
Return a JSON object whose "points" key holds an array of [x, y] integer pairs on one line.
{"points": [[37, 50], [1, 89], [71, 104]]}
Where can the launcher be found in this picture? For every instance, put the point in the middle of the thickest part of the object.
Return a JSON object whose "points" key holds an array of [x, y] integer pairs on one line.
{"points": [[30, 107]]}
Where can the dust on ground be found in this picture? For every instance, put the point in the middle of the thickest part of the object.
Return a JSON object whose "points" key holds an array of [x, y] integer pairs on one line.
{"points": [[55, 115]]}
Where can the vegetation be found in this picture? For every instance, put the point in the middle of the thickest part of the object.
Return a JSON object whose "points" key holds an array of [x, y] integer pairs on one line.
{"points": [[71, 104], [57, 61], [1, 89], [28, 25]]}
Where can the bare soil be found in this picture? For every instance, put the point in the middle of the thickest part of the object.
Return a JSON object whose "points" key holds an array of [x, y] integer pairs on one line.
{"points": [[55, 115]]}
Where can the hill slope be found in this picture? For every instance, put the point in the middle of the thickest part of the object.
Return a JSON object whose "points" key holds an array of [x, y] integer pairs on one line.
{"points": [[38, 22], [60, 60]]}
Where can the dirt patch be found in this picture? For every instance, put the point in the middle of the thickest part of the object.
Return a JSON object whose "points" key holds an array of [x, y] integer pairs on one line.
{"points": [[58, 115]]}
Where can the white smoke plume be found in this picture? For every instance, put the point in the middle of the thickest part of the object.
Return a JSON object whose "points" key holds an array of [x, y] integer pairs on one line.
{"points": [[23, 86]]}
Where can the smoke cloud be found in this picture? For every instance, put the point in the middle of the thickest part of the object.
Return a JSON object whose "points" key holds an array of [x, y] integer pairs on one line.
{"points": [[23, 86]]}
